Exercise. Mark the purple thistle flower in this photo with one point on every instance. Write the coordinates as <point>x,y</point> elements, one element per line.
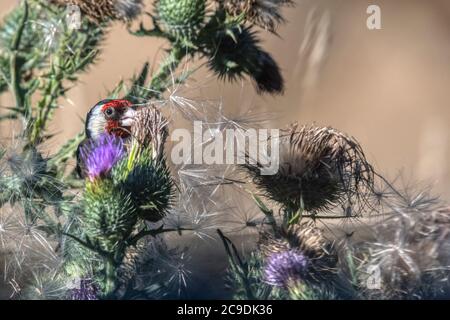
<point>100,156</point>
<point>87,290</point>
<point>282,267</point>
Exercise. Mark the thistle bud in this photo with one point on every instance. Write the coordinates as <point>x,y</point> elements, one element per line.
<point>237,53</point>
<point>181,18</point>
<point>150,186</point>
<point>109,215</point>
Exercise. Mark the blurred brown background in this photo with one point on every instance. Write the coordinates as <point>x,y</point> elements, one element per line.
<point>389,88</point>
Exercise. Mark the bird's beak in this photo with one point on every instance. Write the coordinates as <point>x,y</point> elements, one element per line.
<point>127,118</point>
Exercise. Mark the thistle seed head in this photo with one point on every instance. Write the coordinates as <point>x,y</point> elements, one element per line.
<point>150,130</point>
<point>411,253</point>
<point>320,169</point>
<point>263,13</point>
<point>102,10</point>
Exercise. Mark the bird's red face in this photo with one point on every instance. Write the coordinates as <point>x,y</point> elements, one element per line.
<point>110,116</point>
<point>116,113</point>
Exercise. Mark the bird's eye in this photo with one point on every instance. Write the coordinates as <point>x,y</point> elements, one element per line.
<point>109,112</point>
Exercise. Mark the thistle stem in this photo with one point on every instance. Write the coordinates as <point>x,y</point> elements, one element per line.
<point>143,233</point>
<point>47,104</point>
<point>110,278</point>
<point>311,216</point>
<point>237,263</point>
<point>87,244</point>
<point>14,65</point>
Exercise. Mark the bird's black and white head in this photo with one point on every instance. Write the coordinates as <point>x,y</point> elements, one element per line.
<point>113,117</point>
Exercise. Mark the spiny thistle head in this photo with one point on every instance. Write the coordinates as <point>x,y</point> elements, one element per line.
<point>149,184</point>
<point>144,174</point>
<point>181,18</point>
<point>263,13</point>
<point>237,53</point>
<point>320,168</point>
<point>109,214</point>
<point>283,267</point>
<point>307,240</point>
<point>102,10</point>
<point>100,156</point>
<point>150,130</point>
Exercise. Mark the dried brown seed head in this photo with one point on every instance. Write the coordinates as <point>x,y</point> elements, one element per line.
<point>150,129</point>
<point>263,13</point>
<point>320,169</point>
<point>102,10</point>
